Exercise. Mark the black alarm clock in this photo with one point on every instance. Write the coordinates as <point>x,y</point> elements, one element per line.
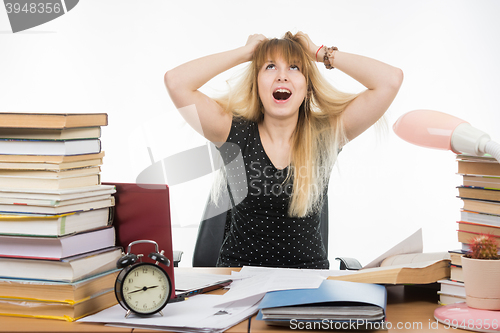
<point>143,288</point>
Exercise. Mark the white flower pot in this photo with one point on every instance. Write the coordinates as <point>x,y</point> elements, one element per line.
<point>482,283</point>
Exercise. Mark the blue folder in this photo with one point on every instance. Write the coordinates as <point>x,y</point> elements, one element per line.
<point>330,293</point>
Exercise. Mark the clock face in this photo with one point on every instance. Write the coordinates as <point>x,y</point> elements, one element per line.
<point>145,288</point>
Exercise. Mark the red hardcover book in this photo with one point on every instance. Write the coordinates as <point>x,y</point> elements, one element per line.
<point>142,212</point>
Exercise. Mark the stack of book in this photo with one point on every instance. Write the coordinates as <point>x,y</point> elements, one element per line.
<point>480,194</point>
<point>57,243</point>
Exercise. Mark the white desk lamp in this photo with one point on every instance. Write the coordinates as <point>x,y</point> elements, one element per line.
<point>434,129</point>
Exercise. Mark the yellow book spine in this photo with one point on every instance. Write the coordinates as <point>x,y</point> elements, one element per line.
<point>66,318</point>
<point>30,217</point>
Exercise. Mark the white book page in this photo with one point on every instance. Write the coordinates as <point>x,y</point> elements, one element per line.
<point>412,244</point>
<point>414,258</point>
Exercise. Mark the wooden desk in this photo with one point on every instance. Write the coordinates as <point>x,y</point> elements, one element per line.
<point>409,309</point>
<point>15,324</point>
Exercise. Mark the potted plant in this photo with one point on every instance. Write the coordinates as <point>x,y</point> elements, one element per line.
<point>481,270</point>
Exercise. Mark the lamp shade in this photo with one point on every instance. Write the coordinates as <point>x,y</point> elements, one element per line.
<point>427,128</point>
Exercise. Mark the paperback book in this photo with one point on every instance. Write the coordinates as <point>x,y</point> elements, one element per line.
<point>52,120</point>
<point>55,225</point>
<point>58,291</point>
<point>56,248</point>
<point>51,134</point>
<point>65,270</point>
<point>58,209</point>
<point>44,147</point>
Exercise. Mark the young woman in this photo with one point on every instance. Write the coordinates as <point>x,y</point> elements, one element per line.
<point>288,124</point>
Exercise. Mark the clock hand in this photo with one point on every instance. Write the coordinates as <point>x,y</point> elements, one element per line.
<point>135,291</point>
<point>142,289</point>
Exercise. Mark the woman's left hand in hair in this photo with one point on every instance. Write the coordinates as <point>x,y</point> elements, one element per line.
<point>307,44</point>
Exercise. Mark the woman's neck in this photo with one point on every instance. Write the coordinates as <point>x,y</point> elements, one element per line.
<point>278,131</point>
<point>275,136</point>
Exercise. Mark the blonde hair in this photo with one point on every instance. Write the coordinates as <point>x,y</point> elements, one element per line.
<point>319,133</point>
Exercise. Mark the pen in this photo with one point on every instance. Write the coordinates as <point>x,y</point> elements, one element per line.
<point>178,299</point>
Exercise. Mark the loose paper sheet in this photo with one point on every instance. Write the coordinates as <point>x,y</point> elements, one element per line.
<point>257,281</point>
<point>198,313</point>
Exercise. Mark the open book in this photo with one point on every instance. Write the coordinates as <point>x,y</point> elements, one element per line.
<point>403,264</point>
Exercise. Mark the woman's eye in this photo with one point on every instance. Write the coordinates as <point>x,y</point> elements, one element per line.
<point>295,68</point>
<point>270,66</point>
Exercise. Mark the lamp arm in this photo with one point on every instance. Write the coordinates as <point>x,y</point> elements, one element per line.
<point>493,148</point>
<point>469,140</point>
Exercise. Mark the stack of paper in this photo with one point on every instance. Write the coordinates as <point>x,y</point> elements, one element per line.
<point>200,313</point>
<point>217,313</point>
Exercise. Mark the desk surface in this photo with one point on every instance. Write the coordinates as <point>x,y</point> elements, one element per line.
<point>409,309</point>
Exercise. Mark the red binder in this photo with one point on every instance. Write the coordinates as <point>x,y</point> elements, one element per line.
<point>143,212</point>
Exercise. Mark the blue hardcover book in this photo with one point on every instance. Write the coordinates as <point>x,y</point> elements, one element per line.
<point>335,304</point>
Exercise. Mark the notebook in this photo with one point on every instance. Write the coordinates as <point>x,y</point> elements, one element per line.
<point>142,212</point>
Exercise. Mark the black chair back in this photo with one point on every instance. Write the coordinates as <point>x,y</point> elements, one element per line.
<point>212,229</point>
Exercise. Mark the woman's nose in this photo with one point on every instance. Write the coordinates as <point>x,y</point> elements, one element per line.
<point>282,76</point>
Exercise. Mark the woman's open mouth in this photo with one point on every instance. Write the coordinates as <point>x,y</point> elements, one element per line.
<point>281,95</point>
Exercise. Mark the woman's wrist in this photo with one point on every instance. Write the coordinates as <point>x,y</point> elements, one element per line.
<point>319,51</point>
<point>244,53</point>
<point>329,56</point>
<point>326,55</point>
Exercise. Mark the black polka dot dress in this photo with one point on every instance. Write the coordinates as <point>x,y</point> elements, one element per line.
<point>261,233</point>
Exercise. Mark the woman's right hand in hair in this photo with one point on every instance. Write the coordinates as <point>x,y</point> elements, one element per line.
<point>252,42</point>
<point>307,44</point>
<point>183,83</point>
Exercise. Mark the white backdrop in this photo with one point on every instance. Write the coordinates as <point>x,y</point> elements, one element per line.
<point>110,56</point>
